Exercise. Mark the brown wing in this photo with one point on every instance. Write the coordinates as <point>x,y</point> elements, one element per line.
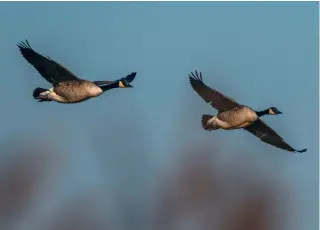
<point>52,71</point>
<point>266,134</point>
<point>212,96</point>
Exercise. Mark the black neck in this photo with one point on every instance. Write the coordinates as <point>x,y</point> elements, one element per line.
<point>106,87</point>
<point>263,112</point>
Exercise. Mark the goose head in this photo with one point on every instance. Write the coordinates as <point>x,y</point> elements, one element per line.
<point>123,83</point>
<point>274,111</point>
<point>269,111</point>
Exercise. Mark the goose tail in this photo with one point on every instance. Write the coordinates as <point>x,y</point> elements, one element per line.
<point>40,94</point>
<point>206,124</point>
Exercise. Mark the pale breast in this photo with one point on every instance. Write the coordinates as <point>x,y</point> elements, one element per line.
<point>93,90</point>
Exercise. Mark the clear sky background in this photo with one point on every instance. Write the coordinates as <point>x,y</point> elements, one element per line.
<point>261,54</point>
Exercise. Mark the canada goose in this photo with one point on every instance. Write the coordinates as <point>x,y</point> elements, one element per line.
<point>232,115</point>
<point>67,88</point>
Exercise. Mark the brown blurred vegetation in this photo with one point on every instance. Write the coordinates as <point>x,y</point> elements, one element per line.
<point>203,198</point>
<point>192,193</point>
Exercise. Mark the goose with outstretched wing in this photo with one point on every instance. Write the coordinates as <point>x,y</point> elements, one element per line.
<point>67,87</point>
<point>232,115</point>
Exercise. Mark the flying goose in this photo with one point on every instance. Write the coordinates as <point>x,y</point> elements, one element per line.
<point>67,87</point>
<point>232,115</point>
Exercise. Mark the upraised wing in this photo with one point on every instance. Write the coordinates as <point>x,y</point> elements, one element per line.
<point>266,134</point>
<point>52,71</point>
<point>209,95</point>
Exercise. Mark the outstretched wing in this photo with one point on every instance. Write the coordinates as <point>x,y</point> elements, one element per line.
<point>52,71</point>
<point>212,96</point>
<point>266,134</point>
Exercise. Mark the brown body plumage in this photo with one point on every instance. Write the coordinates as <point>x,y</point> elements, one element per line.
<point>75,91</point>
<point>236,118</point>
<point>67,87</point>
<point>232,115</point>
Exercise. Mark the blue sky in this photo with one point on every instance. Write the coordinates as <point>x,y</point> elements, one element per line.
<point>261,54</point>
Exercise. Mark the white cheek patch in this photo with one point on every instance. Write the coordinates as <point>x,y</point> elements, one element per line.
<point>121,84</point>
<point>271,112</point>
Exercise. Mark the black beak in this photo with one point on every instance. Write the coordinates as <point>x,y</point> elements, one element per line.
<point>129,86</point>
<point>279,112</point>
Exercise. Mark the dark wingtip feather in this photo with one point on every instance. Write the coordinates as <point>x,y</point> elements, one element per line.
<point>195,77</point>
<point>24,45</point>
<point>301,151</point>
